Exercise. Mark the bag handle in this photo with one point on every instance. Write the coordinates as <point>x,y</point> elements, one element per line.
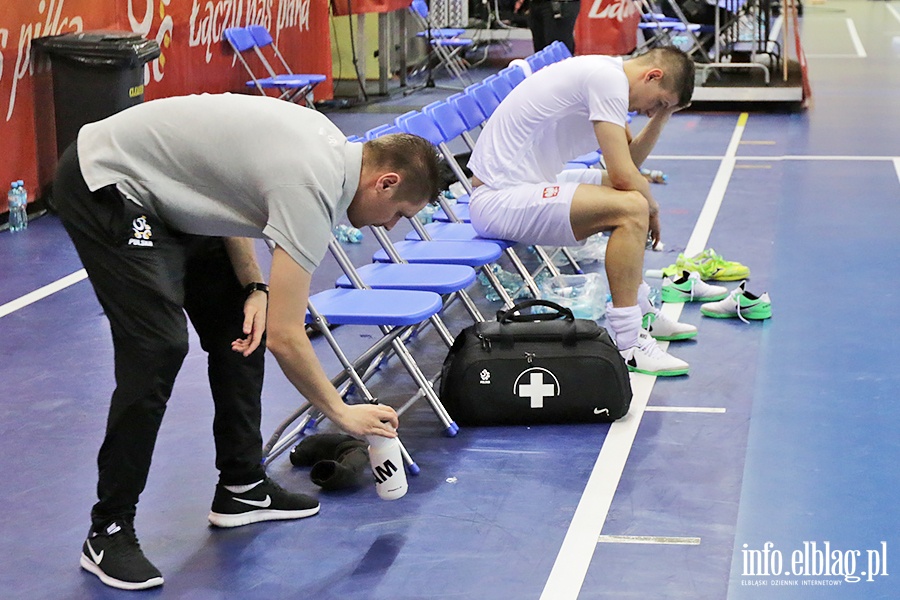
<point>509,316</point>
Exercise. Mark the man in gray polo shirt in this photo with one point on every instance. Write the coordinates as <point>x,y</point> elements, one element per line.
<point>160,201</point>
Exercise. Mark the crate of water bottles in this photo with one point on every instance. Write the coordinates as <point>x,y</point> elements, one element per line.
<point>17,198</point>
<point>585,295</point>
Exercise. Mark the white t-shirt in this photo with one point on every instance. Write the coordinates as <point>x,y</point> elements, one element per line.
<point>229,165</point>
<point>547,120</point>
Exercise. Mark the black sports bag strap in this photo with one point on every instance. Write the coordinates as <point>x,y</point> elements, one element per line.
<point>509,316</point>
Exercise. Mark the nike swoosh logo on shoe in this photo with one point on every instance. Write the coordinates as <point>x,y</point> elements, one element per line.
<point>260,503</point>
<point>94,556</point>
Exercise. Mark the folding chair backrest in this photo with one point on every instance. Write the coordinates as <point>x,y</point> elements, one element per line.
<point>422,125</point>
<point>239,39</point>
<point>419,8</point>
<point>562,49</point>
<point>548,55</point>
<point>485,97</point>
<point>381,130</point>
<point>447,119</point>
<point>514,75</point>
<point>263,38</point>
<point>404,117</point>
<point>500,84</point>
<point>468,110</point>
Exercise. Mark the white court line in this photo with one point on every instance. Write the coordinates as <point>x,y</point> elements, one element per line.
<point>504,451</point>
<point>685,409</point>
<point>835,55</point>
<point>897,167</point>
<point>854,36</point>
<point>780,157</point>
<point>648,539</point>
<point>894,12</point>
<point>571,565</point>
<point>51,288</point>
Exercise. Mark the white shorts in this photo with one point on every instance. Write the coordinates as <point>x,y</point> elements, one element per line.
<point>531,213</point>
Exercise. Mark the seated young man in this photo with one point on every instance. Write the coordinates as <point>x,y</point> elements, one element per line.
<point>565,110</point>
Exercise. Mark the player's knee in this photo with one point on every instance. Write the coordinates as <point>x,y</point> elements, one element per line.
<point>636,213</point>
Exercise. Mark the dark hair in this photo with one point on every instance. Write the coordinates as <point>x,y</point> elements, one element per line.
<point>678,68</point>
<point>414,158</point>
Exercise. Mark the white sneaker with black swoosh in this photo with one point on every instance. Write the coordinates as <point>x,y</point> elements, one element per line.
<point>266,501</point>
<point>113,554</point>
<point>648,358</point>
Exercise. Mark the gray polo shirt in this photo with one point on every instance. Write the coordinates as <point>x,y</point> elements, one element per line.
<point>229,165</point>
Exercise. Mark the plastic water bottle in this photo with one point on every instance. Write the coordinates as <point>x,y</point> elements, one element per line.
<point>655,176</point>
<point>18,205</point>
<point>387,467</point>
<point>346,234</point>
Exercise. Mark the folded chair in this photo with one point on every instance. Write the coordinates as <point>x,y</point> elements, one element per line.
<point>446,44</point>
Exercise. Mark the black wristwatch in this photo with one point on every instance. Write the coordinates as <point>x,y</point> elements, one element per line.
<point>256,287</point>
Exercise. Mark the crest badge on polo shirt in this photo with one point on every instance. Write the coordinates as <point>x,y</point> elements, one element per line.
<point>551,192</point>
<point>141,233</point>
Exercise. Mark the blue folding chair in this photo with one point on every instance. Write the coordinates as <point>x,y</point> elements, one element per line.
<point>500,85</point>
<point>263,39</point>
<point>469,112</point>
<point>514,74</point>
<point>289,86</point>
<point>394,312</point>
<point>536,61</point>
<point>448,280</point>
<point>446,43</point>
<point>484,97</point>
<point>561,50</point>
<point>381,130</point>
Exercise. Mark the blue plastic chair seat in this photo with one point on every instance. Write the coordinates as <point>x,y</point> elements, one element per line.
<point>279,81</point>
<point>460,210</point>
<point>473,254</point>
<point>440,279</point>
<point>589,159</point>
<point>442,32</point>
<point>457,232</point>
<point>452,42</point>
<point>375,307</point>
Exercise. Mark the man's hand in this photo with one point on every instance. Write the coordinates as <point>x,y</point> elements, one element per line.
<point>254,323</point>
<point>654,228</point>
<point>367,419</point>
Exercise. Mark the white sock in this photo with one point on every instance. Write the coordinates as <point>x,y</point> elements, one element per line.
<point>644,299</point>
<point>240,489</point>
<point>625,322</point>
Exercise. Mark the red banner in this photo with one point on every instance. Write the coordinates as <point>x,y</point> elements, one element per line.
<point>607,27</point>
<point>194,59</point>
<point>355,7</point>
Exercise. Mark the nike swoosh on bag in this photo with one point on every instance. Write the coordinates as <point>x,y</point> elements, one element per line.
<point>260,503</point>
<point>94,556</point>
<point>601,411</point>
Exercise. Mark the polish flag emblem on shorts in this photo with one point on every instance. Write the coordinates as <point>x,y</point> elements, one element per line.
<point>551,192</point>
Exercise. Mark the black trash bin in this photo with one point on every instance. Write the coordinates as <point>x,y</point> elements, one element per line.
<point>95,74</point>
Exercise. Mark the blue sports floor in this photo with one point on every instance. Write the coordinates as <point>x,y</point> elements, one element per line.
<point>770,472</point>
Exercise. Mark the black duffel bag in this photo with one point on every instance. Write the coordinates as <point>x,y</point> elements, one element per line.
<point>534,368</point>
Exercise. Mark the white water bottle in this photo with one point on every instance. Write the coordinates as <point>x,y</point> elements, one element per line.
<point>387,467</point>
